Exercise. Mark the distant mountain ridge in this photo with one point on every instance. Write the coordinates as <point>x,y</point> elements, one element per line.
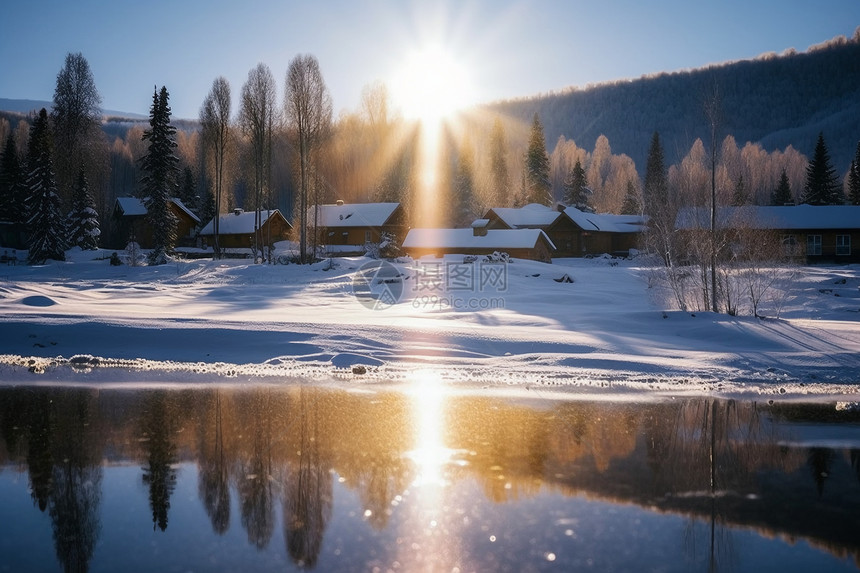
<point>775,100</point>
<point>27,105</point>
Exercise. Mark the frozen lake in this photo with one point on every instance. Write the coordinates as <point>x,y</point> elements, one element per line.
<point>422,477</point>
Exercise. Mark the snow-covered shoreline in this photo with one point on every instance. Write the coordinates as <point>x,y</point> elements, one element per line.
<point>202,321</point>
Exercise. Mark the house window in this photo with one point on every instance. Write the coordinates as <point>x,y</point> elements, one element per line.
<point>843,244</point>
<point>813,245</point>
<point>789,245</point>
<point>367,236</point>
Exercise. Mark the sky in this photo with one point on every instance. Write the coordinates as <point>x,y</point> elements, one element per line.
<point>501,48</point>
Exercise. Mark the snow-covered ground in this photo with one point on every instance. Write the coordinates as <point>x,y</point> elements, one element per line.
<point>606,331</point>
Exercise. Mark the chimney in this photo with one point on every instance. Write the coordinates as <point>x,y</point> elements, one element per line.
<point>340,202</point>
<point>479,227</point>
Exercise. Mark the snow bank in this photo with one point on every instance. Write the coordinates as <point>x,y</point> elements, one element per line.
<point>603,330</point>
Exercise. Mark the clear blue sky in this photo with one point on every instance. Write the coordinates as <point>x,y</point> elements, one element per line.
<point>510,48</point>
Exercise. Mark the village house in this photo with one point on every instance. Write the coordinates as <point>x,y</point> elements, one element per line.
<point>812,233</point>
<point>236,229</point>
<point>530,244</point>
<point>131,224</point>
<point>347,228</point>
<point>574,233</point>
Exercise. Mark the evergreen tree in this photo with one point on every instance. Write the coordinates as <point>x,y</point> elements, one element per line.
<point>207,207</point>
<point>632,204</point>
<point>45,221</point>
<point>656,190</point>
<point>464,188</point>
<point>575,191</point>
<point>83,224</point>
<point>160,167</point>
<point>538,185</point>
<point>188,190</point>
<point>854,179</point>
<point>13,186</point>
<point>822,183</point>
<point>740,197</point>
<point>499,166</point>
<point>782,195</point>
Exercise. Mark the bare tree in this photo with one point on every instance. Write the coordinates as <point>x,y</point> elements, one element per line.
<point>308,108</point>
<point>76,119</point>
<point>257,118</point>
<point>712,112</point>
<point>215,121</point>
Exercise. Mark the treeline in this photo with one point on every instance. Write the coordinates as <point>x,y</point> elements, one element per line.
<point>586,147</point>
<point>775,100</point>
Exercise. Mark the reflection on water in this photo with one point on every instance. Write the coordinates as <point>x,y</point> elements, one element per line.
<point>265,477</point>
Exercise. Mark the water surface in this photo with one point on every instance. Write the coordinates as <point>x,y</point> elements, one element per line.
<point>259,478</point>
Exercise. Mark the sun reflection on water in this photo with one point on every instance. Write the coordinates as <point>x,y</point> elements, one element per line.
<point>430,455</point>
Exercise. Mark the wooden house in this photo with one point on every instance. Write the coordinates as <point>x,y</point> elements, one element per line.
<point>574,233</point>
<point>236,229</point>
<point>131,224</point>
<point>530,244</point>
<point>346,228</point>
<point>813,233</point>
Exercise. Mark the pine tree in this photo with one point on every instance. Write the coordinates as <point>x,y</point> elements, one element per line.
<point>782,195</point>
<point>538,186</point>
<point>499,166</point>
<point>656,191</point>
<point>207,207</point>
<point>83,223</point>
<point>575,191</point>
<point>160,167</point>
<point>464,188</point>
<point>188,190</point>
<point>632,204</point>
<point>45,221</point>
<point>13,186</point>
<point>822,183</point>
<point>854,179</point>
<point>740,197</point>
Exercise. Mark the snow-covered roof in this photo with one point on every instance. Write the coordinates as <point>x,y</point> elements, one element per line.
<point>131,206</point>
<point>495,239</point>
<point>606,222</point>
<point>353,214</point>
<point>531,215</point>
<point>237,224</point>
<point>178,202</point>
<point>797,217</point>
<point>535,215</point>
<point>134,207</point>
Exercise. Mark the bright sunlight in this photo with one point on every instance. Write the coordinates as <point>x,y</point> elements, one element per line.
<point>432,85</point>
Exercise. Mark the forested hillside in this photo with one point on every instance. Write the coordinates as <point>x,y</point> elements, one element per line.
<point>777,100</point>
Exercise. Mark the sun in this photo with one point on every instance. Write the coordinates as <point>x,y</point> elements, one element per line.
<point>432,85</point>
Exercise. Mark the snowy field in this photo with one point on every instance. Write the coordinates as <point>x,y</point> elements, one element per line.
<point>608,331</point>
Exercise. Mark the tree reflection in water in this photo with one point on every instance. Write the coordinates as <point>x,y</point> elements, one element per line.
<point>214,476</point>
<point>158,427</point>
<point>255,479</point>
<point>308,492</point>
<point>722,465</point>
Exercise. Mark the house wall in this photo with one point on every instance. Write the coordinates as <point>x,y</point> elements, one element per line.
<point>540,252</point>
<point>139,229</point>
<point>358,236</point>
<point>828,245</point>
<point>275,229</point>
